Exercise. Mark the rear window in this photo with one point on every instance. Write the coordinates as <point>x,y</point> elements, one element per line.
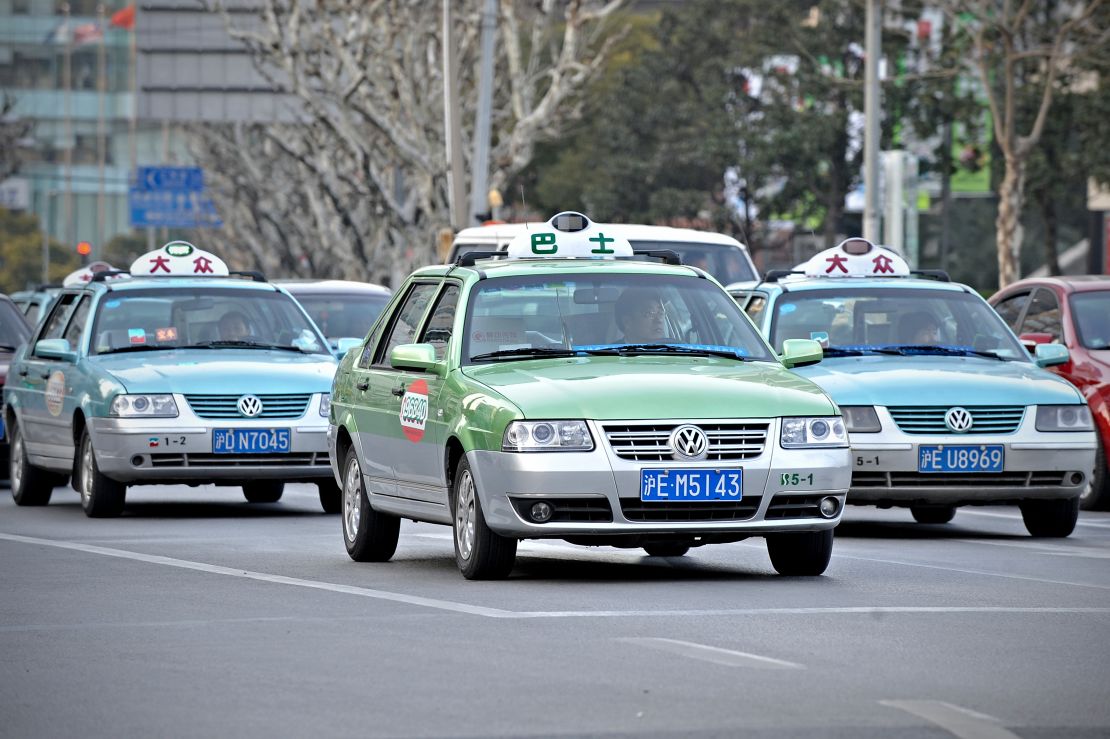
<point>727,263</point>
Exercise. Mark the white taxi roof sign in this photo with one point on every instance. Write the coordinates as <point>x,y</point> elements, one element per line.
<point>856,258</point>
<point>85,274</point>
<point>569,235</point>
<point>179,259</point>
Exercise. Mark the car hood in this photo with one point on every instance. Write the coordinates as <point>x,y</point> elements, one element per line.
<point>221,371</point>
<point>647,387</point>
<point>919,380</point>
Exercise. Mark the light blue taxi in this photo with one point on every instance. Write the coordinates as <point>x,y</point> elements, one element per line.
<point>177,371</point>
<point>943,404</point>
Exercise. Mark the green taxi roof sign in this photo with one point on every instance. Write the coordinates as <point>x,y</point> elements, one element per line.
<point>179,259</point>
<point>569,235</point>
<point>856,258</point>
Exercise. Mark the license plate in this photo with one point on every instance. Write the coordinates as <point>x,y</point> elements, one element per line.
<point>960,458</point>
<point>691,485</point>
<point>250,441</point>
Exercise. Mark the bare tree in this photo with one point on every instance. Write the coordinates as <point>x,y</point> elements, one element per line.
<point>12,132</point>
<point>356,186</point>
<point>1024,47</point>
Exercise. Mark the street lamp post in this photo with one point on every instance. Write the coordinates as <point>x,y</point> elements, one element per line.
<point>46,234</point>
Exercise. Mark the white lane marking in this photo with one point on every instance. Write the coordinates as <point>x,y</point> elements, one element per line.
<point>957,720</point>
<point>815,611</point>
<point>415,600</point>
<point>963,510</point>
<point>1053,549</point>
<point>716,655</point>
<point>973,572</point>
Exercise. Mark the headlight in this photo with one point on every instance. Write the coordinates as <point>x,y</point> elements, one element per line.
<point>143,406</point>
<point>813,432</point>
<point>325,404</point>
<point>547,436</point>
<point>861,419</point>
<point>1064,418</point>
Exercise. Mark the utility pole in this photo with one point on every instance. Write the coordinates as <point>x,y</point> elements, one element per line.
<point>871,110</point>
<point>67,135</point>
<point>456,189</point>
<point>479,195</point>
<point>46,234</point>
<point>101,133</point>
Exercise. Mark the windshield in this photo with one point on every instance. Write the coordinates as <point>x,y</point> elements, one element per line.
<point>1092,318</point>
<point>202,317</point>
<point>513,317</point>
<point>13,328</point>
<point>343,315</point>
<point>726,262</point>
<point>862,320</point>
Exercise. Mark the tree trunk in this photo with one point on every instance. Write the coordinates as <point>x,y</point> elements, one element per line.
<point>1008,223</point>
<point>1051,232</point>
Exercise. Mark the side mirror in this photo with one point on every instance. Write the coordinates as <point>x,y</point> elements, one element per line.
<point>1050,355</point>
<point>1031,340</point>
<point>344,345</point>
<point>55,349</point>
<point>801,352</point>
<point>413,357</point>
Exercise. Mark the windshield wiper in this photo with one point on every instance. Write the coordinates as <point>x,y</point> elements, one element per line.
<point>840,351</point>
<point>236,344</point>
<point>524,351</point>
<point>677,349</point>
<point>951,351</point>
<point>7,348</point>
<point>139,348</point>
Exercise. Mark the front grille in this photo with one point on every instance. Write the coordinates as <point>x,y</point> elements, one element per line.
<point>739,510</point>
<point>941,479</point>
<point>986,419</point>
<point>650,442</point>
<point>568,510</point>
<point>227,406</point>
<point>295,459</point>
<point>794,506</point>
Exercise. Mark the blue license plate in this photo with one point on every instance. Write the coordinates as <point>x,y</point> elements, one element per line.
<point>691,485</point>
<point>1,428</point>
<point>960,458</point>
<point>250,441</point>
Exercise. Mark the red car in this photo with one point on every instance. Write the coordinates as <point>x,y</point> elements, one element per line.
<point>1074,311</point>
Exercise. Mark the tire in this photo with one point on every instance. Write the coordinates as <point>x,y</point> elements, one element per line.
<point>666,549</point>
<point>1097,495</point>
<point>480,553</point>
<point>804,553</point>
<point>933,514</point>
<point>263,491</point>
<point>1050,518</point>
<point>31,486</point>
<point>331,496</point>
<point>101,497</point>
<point>369,535</point>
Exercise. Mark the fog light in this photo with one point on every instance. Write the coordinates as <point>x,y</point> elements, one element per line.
<point>1076,478</point>
<point>541,512</point>
<point>137,461</point>
<point>829,507</point>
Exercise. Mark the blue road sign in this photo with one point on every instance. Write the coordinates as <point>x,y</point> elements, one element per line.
<point>171,197</point>
<point>176,179</point>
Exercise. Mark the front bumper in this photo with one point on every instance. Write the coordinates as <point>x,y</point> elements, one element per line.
<point>1037,466</point>
<point>180,450</point>
<point>597,493</point>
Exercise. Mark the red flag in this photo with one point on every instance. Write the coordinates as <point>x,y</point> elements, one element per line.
<point>124,18</point>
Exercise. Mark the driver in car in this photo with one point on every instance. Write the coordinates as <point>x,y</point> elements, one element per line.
<point>641,317</point>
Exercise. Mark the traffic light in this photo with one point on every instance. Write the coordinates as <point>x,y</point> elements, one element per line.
<point>84,248</point>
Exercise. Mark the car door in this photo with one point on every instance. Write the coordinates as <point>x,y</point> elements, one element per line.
<point>379,391</point>
<point>43,384</point>
<point>418,463</point>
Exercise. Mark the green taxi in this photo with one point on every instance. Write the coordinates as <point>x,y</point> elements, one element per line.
<point>575,390</point>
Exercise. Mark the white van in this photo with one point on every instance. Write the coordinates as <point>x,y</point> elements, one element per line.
<point>725,258</point>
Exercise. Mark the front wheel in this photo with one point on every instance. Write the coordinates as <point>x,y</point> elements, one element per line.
<point>480,553</point>
<point>1097,495</point>
<point>933,514</point>
<point>1050,518</point>
<point>31,486</point>
<point>263,491</point>
<point>101,497</point>
<point>805,553</point>
<point>370,536</point>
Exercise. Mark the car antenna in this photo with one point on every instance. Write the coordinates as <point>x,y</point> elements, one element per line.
<point>523,206</point>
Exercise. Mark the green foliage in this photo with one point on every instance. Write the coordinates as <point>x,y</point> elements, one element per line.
<point>21,253</point>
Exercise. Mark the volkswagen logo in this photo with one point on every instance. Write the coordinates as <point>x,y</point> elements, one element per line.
<point>249,406</point>
<point>689,442</point>
<point>958,419</point>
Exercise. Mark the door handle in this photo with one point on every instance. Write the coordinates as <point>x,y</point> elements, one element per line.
<point>399,391</point>
<point>22,371</point>
<point>362,384</point>
<point>45,375</point>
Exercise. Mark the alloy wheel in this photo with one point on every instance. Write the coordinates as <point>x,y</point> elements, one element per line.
<point>464,515</point>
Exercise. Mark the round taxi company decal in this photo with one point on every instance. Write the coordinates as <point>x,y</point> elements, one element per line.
<point>55,393</point>
<point>414,410</point>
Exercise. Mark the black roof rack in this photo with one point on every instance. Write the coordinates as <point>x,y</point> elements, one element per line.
<point>105,274</point>
<point>664,255</point>
<point>774,275</point>
<point>469,258</point>
<point>254,274</point>
<point>936,274</point>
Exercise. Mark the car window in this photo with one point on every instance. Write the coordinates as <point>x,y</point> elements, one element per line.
<point>442,321</point>
<point>868,318</point>
<point>343,315</point>
<point>1043,316</point>
<point>212,318</point>
<point>406,319</point>
<point>13,328</point>
<point>594,312</point>
<point>726,262</point>
<point>754,307</point>
<point>1010,309</point>
<point>1092,318</point>
<point>77,322</point>
<point>56,322</point>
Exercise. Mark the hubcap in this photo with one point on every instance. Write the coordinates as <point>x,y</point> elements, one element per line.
<point>15,467</point>
<point>352,498</point>
<point>464,515</point>
<point>86,474</point>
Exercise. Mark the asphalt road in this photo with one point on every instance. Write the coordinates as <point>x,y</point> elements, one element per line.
<point>196,614</point>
